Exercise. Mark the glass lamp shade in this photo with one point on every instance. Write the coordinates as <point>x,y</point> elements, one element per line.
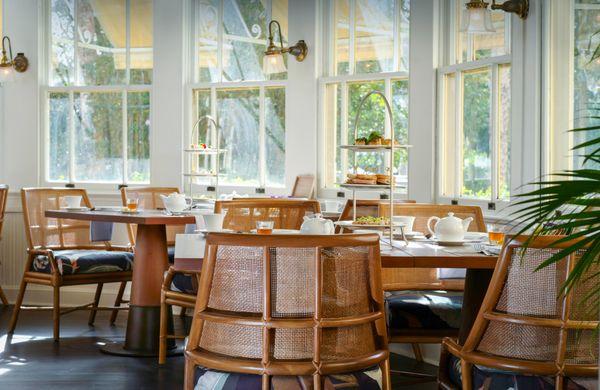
<point>7,73</point>
<point>477,21</point>
<point>273,63</point>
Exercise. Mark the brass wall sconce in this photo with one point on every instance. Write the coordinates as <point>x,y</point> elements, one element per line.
<point>273,60</point>
<point>8,65</point>
<point>477,16</point>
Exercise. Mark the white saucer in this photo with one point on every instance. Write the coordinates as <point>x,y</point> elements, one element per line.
<point>75,208</point>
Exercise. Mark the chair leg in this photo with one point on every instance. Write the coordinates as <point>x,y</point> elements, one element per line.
<point>467,376</point>
<point>188,379</point>
<point>417,351</point>
<point>17,308</point>
<point>118,301</point>
<point>56,313</point>
<point>93,312</point>
<point>386,380</point>
<point>3,297</point>
<point>162,340</point>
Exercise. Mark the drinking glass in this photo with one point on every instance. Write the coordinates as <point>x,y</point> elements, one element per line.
<point>495,234</point>
<point>132,203</point>
<point>264,227</point>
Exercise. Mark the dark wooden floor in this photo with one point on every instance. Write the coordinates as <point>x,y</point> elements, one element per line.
<point>30,359</point>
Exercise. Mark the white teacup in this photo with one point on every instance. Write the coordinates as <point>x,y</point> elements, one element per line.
<point>331,206</point>
<point>213,222</point>
<point>72,201</point>
<point>405,220</point>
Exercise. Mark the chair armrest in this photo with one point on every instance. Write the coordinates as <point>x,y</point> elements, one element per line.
<point>120,248</point>
<point>48,252</point>
<point>452,346</point>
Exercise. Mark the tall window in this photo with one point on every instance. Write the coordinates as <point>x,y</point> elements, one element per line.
<point>229,41</point>
<point>367,49</point>
<point>573,80</point>
<point>475,111</point>
<point>98,91</point>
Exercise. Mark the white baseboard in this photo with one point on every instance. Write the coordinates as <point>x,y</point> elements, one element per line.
<point>38,295</point>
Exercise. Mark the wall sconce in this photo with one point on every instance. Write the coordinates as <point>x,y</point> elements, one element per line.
<point>477,17</point>
<point>273,60</point>
<point>8,65</point>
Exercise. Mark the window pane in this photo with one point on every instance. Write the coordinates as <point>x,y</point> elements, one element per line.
<point>62,28</point>
<point>476,167</point>
<point>207,16</point>
<point>98,137</point>
<point>586,76</point>
<point>335,169</point>
<point>374,36</point>
<point>141,61</point>
<point>504,132</point>
<point>237,111</point>
<point>101,42</point>
<point>58,146</point>
<point>341,19</point>
<point>275,136</point>
<point>447,159</point>
<point>400,109</point>
<point>199,163</point>
<point>138,137</point>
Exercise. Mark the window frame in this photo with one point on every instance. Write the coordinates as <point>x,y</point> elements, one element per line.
<point>71,90</point>
<point>222,84</point>
<point>449,53</point>
<point>329,76</point>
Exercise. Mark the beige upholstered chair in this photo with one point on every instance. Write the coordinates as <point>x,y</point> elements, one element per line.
<point>279,306</point>
<point>3,198</point>
<point>60,253</point>
<point>527,334</point>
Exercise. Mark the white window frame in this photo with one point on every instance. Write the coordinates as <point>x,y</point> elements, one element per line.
<point>331,190</point>
<point>449,50</point>
<point>47,89</point>
<point>214,87</point>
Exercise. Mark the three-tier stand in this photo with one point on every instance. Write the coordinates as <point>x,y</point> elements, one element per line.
<point>391,149</point>
<point>203,159</point>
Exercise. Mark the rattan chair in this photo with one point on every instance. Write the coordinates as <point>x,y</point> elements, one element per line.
<point>3,198</point>
<point>241,215</point>
<point>61,253</point>
<point>527,333</point>
<point>416,297</point>
<point>304,187</point>
<point>279,308</point>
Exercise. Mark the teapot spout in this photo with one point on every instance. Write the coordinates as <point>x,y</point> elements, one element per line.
<point>466,222</point>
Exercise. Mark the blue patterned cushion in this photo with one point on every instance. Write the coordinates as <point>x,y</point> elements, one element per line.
<point>85,262</point>
<point>183,283</point>
<point>488,378</point>
<point>423,309</point>
<point>215,380</point>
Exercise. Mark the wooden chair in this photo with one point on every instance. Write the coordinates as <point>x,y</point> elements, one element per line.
<point>61,253</point>
<point>411,295</point>
<point>287,308</point>
<point>3,198</point>
<point>241,215</point>
<point>524,336</point>
<point>364,207</point>
<point>304,187</point>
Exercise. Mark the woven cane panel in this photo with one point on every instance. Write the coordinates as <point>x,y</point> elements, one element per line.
<point>520,341</point>
<point>347,342</point>
<point>585,295</point>
<point>346,290</point>
<point>582,346</point>
<point>293,344</point>
<point>292,282</point>
<point>530,292</point>
<point>237,280</point>
<point>232,340</point>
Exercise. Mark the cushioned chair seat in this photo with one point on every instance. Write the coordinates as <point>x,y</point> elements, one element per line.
<point>488,378</point>
<point>72,262</point>
<point>216,380</point>
<point>183,283</point>
<point>423,309</point>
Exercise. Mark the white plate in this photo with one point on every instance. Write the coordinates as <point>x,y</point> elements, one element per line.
<point>205,232</point>
<point>75,208</point>
<point>453,243</point>
<point>280,231</point>
<point>352,225</point>
<point>410,235</point>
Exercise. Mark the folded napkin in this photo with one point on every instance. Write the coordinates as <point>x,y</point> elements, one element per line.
<point>101,231</point>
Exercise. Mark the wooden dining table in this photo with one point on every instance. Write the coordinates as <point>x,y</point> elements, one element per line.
<point>151,261</point>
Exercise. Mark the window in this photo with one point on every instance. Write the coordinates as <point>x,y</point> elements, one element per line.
<point>573,79</point>
<point>475,111</point>
<point>98,93</point>
<point>229,41</point>
<point>367,49</point>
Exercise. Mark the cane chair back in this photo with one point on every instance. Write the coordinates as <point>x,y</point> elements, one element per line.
<point>149,199</point>
<point>3,199</point>
<point>523,327</point>
<point>242,214</point>
<point>289,305</point>
<point>304,187</point>
<point>54,232</point>
<point>364,208</point>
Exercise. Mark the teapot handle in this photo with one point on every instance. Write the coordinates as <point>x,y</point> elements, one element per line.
<point>189,202</point>
<point>330,227</point>
<point>429,224</point>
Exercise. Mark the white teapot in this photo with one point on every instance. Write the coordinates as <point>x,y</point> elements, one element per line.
<point>449,228</point>
<point>315,224</point>
<point>176,202</point>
